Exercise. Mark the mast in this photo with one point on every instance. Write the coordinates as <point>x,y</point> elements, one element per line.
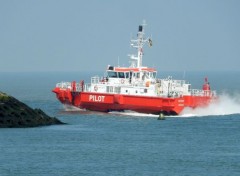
<point>136,60</point>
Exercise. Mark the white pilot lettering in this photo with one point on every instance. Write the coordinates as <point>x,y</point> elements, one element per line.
<point>96,98</point>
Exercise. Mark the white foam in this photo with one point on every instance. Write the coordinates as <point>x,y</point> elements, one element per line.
<point>71,108</point>
<point>225,105</point>
<point>132,113</point>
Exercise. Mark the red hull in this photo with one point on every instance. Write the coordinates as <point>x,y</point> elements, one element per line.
<point>106,102</point>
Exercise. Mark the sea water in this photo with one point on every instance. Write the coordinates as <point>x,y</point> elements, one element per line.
<point>197,142</point>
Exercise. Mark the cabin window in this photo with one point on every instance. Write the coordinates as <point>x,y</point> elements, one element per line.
<point>154,74</point>
<point>110,89</point>
<point>117,89</point>
<point>150,74</point>
<point>143,75</point>
<point>121,75</point>
<point>112,74</point>
<point>146,75</point>
<point>138,75</point>
<point>127,74</point>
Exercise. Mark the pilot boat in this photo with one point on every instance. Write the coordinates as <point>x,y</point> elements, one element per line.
<point>134,88</point>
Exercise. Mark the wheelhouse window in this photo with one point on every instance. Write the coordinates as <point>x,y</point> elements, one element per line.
<point>121,75</point>
<point>138,75</point>
<point>112,74</point>
<point>154,74</point>
<point>148,75</point>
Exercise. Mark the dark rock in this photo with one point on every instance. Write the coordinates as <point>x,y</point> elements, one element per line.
<point>15,114</point>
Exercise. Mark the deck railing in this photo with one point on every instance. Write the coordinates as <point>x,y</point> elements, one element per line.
<point>199,92</point>
<point>64,85</point>
<point>68,85</point>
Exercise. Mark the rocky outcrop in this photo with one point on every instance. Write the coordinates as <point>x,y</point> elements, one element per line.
<point>15,114</point>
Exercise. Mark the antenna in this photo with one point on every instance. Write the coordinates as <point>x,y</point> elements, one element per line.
<point>136,59</point>
<point>144,23</point>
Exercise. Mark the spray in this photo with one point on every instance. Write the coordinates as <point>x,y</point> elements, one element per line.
<point>225,105</point>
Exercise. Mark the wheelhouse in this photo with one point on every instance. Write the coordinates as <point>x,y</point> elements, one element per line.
<point>138,73</point>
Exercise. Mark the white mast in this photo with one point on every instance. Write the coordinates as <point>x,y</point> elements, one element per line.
<point>136,60</point>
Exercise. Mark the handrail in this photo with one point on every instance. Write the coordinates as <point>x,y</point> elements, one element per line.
<point>199,92</point>
<point>68,85</point>
<point>64,85</point>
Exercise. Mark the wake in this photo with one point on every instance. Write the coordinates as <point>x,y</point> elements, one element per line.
<point>225,105</point>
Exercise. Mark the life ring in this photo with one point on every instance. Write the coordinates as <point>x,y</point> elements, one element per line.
<point>95,88</point>
<point>122,81</point>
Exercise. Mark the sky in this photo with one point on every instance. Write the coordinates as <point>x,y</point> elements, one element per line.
<point>88,35</point>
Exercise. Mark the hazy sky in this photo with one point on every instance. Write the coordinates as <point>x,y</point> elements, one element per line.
<point>81,35</point>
